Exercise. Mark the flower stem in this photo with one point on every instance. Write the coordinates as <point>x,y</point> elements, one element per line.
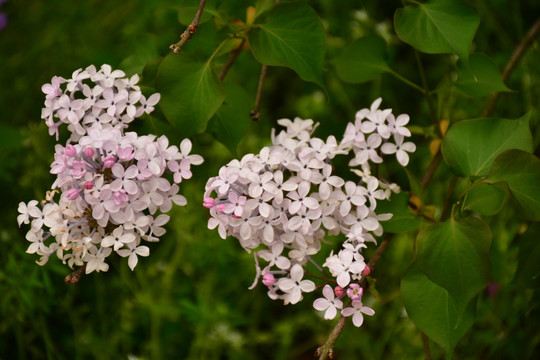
<point>407,81</point>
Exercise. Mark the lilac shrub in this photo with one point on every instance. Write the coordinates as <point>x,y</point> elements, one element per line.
<point>283,202</point>
<point>112,189</point>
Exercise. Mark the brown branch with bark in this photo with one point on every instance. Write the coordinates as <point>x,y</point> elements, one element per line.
<point>191,29</point>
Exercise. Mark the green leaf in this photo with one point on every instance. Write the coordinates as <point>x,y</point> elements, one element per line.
<point>520,170</point>
<point>455,255</point>
<point>230,122</point>
<point>480,77</point>
<point>403,219</point>
<point>190,93</point>
<point>438,26</point>
<point>292,35</point>
<point>145,49</point>
<point>261,6</point>
<point>434,311</point>
<point>486,199</point>
<point>150,70</point>
<point>528,270</point>
<point>363,60</point>
<point>470,146</point>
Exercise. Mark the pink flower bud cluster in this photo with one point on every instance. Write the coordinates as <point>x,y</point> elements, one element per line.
<point>112,187</point>
<point>282,203</point>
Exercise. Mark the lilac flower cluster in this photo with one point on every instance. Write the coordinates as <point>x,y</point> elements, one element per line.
<point>284,201</point>
<point>111,189</point>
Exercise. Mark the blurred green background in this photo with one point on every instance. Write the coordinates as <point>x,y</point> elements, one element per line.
<point>189,299</point>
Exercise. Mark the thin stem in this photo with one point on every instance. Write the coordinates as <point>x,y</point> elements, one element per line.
<point>448,197</point>
<point>188,33</point>
<point>233,55</point>
<point>307,273</point>
<point>326,350</point>
<point>310,259</point>
<point>426,90</point>
<point>431,169</point>
<point>407,81</point>
<point>255,115</point>
<point>516,56</point>
<point>427,353</point>
<point>75,276</point>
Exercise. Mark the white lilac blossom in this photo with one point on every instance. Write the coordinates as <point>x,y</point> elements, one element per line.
<point>112,187</point>
<point>282,202</point>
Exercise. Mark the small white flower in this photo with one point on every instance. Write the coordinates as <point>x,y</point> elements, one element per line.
<point>294,286</point>
<point>329,304</point>
<point>356,310</point>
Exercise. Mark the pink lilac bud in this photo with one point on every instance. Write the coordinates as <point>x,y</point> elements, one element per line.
<point>109,161</point>
<point>339,291</point>
<point>120,196</point>
<point>366,271</point>
<point>89,152</point>
<point>268,279</point>
<point>354,291</point>
<point>88,185</point>
<point>70,150</point>
<point>220,207</point>
<point>72,194</point>
<point>209,203</point>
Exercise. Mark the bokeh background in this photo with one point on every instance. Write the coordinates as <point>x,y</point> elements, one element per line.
<point>189,299</point>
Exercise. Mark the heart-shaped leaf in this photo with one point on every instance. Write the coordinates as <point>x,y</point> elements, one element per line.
<point>520,170</point>
<point>480,77</point>
<point>438,26</point>
<point>471,145</point>
<point>190,92</point>
<point>434,311</point>
<point>230,122</point>
<point>363,60</point>
<point>486,199</point>
<point>455,255</point>
<point>292,35</point>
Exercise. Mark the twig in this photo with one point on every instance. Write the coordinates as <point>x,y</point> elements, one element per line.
<point>516,56</point>
<point>431,169</point>
<point>233,55</point>
<point>255,115</point>
<point>426,89</point>
<point>326,350</point>
<point>188,33</point>
<point>75,276</point>
<point>427,353</point>
<point>448,197</point>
